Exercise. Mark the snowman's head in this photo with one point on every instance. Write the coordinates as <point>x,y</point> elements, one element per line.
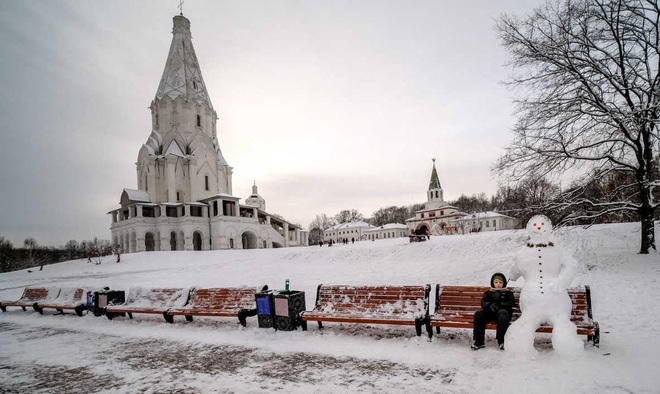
<point>539,228</point>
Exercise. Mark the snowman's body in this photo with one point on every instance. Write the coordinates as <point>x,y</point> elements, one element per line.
<point>548,271</point>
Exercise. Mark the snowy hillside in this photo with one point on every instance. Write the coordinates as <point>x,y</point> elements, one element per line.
<point>217,355</point>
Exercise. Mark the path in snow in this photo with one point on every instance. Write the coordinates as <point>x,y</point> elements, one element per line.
<point>121,364</point>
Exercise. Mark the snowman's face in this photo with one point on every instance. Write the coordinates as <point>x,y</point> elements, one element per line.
<point>539,226</point>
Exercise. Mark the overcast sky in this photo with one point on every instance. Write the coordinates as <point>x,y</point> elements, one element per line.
<point>328,105</point>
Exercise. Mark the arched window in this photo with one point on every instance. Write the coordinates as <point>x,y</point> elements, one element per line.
<point>199,121</point>
<point>172,240</point>
<point>149,242</point>
<point>197,241</point>
<point>206,182</point>
<point>231,243</point>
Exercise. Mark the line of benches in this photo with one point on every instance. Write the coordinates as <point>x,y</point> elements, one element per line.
<point>222,302</point>
<point>392,305</point>
<point>40,298</point>
<point>188,302</point>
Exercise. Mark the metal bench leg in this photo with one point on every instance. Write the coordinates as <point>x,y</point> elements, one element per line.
<point>24,309</point>
<point>79,310</point>
<point>320,324</point>
<point>169,318</point>
<point>4,309</point>
<point>418,327</point>
<point>37,309</point>
<point>429,329</point>
<point>596,337</point>
<point>130,315</point>
<point>189,318</point>
<point>243,314</point>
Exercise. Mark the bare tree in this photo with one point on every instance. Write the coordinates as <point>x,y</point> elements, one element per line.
<point>32,250</point>
<point>588,77</point>
<point>392,214</point>
<point>71,248</point>
<point>7,256</point>
<point>318,226</point>
<point>529,197</point>
<point>475,203</point>
<point>348,216</point>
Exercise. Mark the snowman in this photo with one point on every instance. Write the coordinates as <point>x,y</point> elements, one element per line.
<point>548,271</point>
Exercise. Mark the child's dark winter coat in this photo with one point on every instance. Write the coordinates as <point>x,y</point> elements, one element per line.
<point>497,305</point>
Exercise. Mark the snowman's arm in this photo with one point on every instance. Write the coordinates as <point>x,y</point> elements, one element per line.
<point>514,270</point>
<point>568,271</point>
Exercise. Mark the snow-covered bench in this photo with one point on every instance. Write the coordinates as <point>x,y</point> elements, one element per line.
<point>68,298</point>
<point>455,307</point>
<point>221,302</point>
<point>397,305</point>
<point>417,238</point>
<point>30,297</point>
<point>149,301</point>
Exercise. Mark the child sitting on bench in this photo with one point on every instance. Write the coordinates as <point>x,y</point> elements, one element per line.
<point>497,304</point>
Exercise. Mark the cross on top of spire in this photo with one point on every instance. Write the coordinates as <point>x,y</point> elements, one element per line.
<point>180,7</point>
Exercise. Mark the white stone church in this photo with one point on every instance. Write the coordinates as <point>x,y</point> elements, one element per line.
<point>183,199</point>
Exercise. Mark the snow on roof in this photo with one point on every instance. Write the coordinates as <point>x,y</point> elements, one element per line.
<point>484,215</point>
<point>220,195</point>
<point>137,195</point>
<point>350,225</point>
<point>388,226</point>
<point>437,209</point>
<point>175,149</point>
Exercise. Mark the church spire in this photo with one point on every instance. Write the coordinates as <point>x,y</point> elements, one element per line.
<point>182,75</point>
<point>434,194</point>
<point>435,181</point>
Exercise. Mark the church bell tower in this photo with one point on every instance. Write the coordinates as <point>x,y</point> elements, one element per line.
<point>181,160</point>
<point>434,194</point>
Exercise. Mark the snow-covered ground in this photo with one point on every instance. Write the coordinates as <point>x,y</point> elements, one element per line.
<point>54,353</point>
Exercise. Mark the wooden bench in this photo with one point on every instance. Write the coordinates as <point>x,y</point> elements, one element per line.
<point>68,298</point>
<point>149,301</point>
<point>455,307</point>
<point>221,302</point>
<point>30,297</point>
<point>397,305</point>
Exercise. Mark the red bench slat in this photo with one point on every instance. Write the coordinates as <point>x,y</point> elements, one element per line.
<point>69,298</point>
<point>220,302</point>
<point>396,305</point>
<point>31,295</point>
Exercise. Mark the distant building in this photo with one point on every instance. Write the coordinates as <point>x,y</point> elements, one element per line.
<point>348,230</point>
<point>436,215</point>
<point>439,218</point>
<point>183,199</point>
<point>389,230</point>
<point>484,221</point>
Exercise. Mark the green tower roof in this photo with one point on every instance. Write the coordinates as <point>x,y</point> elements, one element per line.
<point>435,181</point>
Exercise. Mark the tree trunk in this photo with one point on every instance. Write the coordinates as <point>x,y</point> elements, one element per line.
<point>648,235</point>
<point>646,212</point>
